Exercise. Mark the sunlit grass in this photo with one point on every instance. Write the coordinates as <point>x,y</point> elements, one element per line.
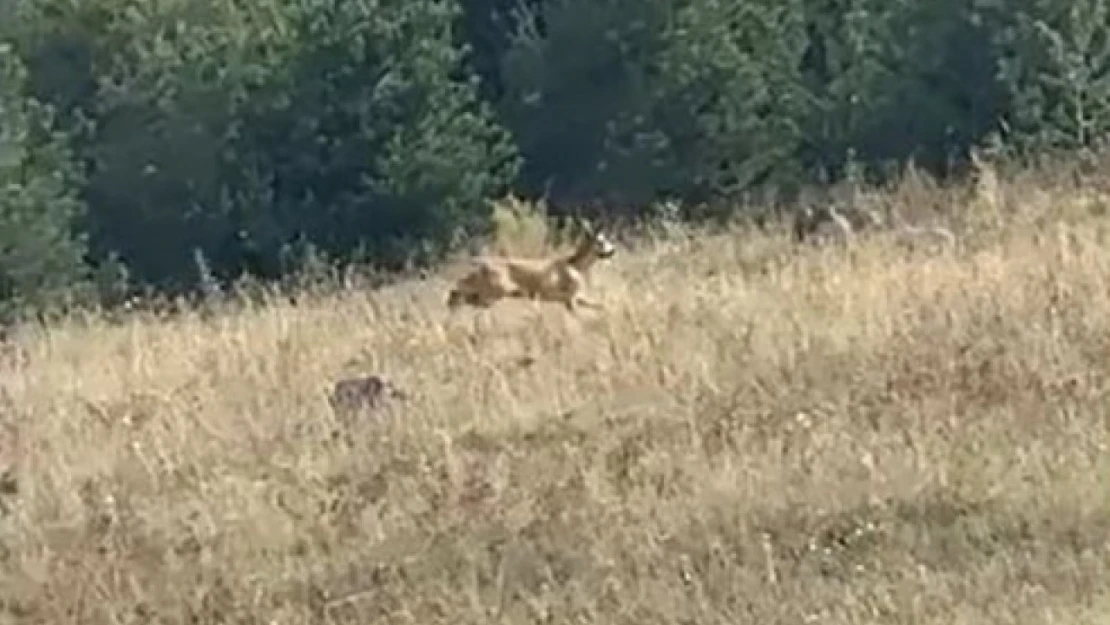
<point>749,432</point>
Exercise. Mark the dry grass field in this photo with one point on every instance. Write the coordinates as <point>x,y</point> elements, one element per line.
<point>750,432</point>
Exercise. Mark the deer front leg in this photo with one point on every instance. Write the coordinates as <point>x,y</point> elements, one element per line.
<point>584,301</point>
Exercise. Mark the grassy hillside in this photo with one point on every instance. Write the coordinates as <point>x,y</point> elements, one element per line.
<point>751,432</point>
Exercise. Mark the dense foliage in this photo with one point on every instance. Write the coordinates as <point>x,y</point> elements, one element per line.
<point>139,137</point>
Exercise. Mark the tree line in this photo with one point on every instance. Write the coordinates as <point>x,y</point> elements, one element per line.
<point>149,143</point>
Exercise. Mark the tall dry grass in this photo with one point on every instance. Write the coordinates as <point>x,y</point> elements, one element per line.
<point>749,433</point>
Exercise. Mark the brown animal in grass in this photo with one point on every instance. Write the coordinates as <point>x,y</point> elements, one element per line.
<point>350,395</point>
<point>559,279</point>
<point>927,237</point>
<point>829,223</point>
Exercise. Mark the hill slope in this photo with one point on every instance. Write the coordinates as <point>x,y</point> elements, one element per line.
<point>748,433</point>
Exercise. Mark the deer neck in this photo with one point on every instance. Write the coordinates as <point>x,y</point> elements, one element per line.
<point>582,258</point>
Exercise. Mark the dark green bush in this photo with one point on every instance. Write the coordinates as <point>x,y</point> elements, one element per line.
<point>40,250</point>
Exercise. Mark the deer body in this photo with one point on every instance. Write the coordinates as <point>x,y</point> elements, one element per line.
<point>561,279</point>
<point>828,223</point>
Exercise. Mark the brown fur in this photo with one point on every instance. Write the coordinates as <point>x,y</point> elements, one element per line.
<point>829,223</point>
<point>350,395</point>
<point>560,279</point>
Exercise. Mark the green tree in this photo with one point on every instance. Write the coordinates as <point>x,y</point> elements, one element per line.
<point>148,89</point>
<point>637,100</point>
<point>1054,60</point>
<point>573,71</point>
<point>848,74</point>
<point>729,95</point>
<point>894,80</point>
<point>369,137</point>
<point>486,29</point>
<point>235,129</point>
<point>40,253</point>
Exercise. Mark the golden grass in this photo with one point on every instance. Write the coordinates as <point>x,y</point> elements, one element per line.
<point>749,433</point>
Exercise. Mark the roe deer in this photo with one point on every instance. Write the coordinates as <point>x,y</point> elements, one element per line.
<point>559,279</point>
